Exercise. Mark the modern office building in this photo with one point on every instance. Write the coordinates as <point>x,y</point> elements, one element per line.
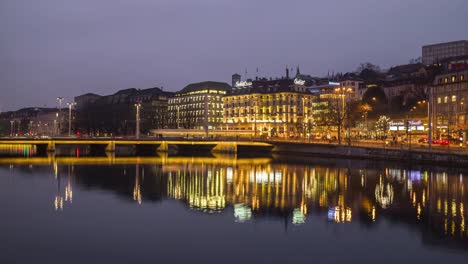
<point>432,54</point>
<point>198,106</point>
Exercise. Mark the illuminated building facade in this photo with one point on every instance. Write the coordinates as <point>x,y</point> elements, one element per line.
<point>330,106</point>
<point>450,99</point>
<point>270,108</point>
<point>198,106</point>
<point>357,86</point>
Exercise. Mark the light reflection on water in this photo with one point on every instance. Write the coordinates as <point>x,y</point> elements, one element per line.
<point>432,201</point>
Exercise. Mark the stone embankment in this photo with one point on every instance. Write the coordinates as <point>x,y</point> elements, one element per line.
<point>436,156</point>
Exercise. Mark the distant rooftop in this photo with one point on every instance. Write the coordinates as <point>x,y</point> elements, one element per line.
<point>206,85</point>
<point>445,43</point>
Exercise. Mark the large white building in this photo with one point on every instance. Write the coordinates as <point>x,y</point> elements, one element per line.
<point>198,106</point>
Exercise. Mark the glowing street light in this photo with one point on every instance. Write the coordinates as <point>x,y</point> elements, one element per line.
<point>60,99</point>
<point>12,122</point>
<point>70,105</point>
<point>137,128</point>
<point>343,93</point>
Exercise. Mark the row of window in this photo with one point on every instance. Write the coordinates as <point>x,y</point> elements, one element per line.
<point>252,120</point>
<point>199,98</point>
<point>268,97</point>
<point>445,99</point>
<point>452,79</point>
<point>194,106</point>
<point>264,105</point>
<point>197,120</point>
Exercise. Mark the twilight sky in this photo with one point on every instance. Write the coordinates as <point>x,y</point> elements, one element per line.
<point>51,48</point>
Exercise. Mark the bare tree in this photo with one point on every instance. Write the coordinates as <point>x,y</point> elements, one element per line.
<point>369,66</point>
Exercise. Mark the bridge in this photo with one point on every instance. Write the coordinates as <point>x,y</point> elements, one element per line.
<point>111,159</point>
<point>109,145</point>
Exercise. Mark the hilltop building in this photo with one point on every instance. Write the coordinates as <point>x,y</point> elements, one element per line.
<point>432,54</point>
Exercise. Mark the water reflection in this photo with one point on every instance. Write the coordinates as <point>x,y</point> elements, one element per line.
<point>432,201</point>
<point>63,195</point>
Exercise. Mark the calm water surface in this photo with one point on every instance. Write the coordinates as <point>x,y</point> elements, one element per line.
<point>230,210</point>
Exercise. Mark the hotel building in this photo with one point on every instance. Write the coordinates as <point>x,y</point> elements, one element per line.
<point>269,108</point>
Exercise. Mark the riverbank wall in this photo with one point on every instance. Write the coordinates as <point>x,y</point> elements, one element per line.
<point>358,152</point>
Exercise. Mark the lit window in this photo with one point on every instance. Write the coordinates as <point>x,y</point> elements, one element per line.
<point>445,99</point>
<point>445,80</point>
<point>453,78</point>
<point>454,98</point>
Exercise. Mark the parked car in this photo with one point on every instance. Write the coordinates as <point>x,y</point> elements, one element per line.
<point>444,142</point>
<point>423,140</point>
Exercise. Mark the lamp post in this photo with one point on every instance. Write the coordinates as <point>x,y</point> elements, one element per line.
<point>429,117</point>
<point>12,122</point>
<point>305,116</point>
<point>343,92</point>
<point>429,121</point>
<point>70,105</point>
<point>178,117</point>
<point>137,128</point>
<point>60,98</point>
<point>30,127</point>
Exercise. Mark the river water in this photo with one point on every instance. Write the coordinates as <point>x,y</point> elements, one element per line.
<point>225,209</point>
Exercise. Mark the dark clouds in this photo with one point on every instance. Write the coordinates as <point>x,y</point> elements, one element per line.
<point>53,48</point>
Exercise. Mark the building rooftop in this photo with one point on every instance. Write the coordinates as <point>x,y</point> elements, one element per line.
<point>266,86</point>
<point>206,85</point>
<point>445,43</point>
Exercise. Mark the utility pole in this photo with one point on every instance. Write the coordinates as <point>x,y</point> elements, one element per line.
<point>137,128</point>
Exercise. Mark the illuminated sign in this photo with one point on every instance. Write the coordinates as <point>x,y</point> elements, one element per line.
<point>415,123</point>
<point>243,84</point>
<point>299,81</point>
<point>334,83</point>
<point>410,122</point>
<point>314,90</point>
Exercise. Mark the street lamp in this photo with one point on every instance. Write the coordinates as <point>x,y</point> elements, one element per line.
<point>429,121</point>
<point>137,128</point>
<point>30,127</point>
<point>60,98</point>
<point>343,92</point>
<point>178,117</point>
<point>70,105</point>
<point>12,122</point>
